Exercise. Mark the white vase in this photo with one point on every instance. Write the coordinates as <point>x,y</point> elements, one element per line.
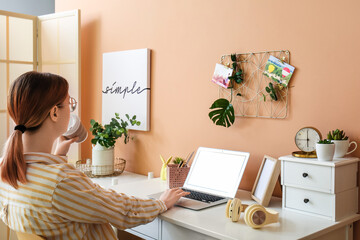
<point>342,147</point>
<point>325,152</point>
<point>102,160</point>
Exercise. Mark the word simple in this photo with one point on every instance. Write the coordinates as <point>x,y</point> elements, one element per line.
<point>124,90</point>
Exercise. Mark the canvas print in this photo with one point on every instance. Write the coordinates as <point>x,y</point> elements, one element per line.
<point>221,75</point>
<point>278,71</point>
<point>126,86</point>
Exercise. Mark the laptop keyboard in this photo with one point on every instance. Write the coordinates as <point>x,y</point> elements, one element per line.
<point>203,197</point>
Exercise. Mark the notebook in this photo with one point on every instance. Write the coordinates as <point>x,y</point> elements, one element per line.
<point>215,175</point>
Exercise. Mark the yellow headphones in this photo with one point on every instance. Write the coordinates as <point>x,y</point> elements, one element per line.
<point>256,216</point>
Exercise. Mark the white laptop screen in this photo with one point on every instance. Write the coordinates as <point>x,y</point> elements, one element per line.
<point>217,171</point>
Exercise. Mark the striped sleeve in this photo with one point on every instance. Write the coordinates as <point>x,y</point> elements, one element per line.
<point>78,199</point>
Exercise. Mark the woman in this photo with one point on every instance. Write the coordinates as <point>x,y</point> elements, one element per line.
<point>41,193</point>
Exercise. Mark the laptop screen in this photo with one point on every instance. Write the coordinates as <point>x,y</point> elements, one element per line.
<point>217,171</point>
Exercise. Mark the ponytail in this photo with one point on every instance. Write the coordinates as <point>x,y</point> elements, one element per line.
<point>31,97</point>
<point>13,165</point>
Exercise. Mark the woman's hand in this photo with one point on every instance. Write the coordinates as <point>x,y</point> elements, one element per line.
<point>63,145</point>
<point>171,196</point>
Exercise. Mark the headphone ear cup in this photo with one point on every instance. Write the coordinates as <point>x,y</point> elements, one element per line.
<point>227,208</point>
<point>234,210</point>
<point>255,216</point>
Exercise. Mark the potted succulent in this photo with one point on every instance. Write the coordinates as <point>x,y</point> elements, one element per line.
<point>341,141</point>
<point>325,150</point>
<point>178,160</point>
<point>104,141</point>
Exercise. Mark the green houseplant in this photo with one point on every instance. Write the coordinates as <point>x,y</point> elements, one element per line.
<point>337,135</point>
<point>325,141</point>
<point>325,150</point>
<point>178,160</point>
<point>104,141</point>
<point>107,135</point>
<point>342,143</point>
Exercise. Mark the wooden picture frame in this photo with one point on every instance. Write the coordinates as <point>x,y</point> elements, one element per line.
<point>266,180</point>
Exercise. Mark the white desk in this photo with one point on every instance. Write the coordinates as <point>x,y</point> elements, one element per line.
<point>211,223</point>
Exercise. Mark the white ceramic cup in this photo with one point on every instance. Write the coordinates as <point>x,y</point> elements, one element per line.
<point>325,152</point>
<point>342,147</point>
<point>76,129</point>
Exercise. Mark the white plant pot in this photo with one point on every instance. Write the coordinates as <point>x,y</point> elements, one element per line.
<point>102,160</point>
<point>342,147</point>
<point>325,152</point>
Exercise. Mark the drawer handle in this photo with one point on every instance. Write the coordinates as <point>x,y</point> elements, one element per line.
<point>306,200</point>
<point>305,175</point>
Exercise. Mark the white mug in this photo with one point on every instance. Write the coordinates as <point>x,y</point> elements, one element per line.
<point>76,129</point>
<point>342,147</point>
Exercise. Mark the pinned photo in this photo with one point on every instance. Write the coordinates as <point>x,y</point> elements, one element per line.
<point>279,71</point>
<point>221,75</point>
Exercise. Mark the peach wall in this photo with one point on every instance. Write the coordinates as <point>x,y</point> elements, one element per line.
<point>188,37</point>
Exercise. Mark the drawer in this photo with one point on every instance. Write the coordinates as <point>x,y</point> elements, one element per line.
<point>331,206</point>
<point>309,201</point>
<point>150,229</point>
<point>308,176</point>
<point>175,232</point>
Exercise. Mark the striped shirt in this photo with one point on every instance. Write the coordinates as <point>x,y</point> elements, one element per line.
<point>60,202</point>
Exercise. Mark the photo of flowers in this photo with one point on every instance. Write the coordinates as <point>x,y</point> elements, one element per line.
<point>279,71</point>
<point>221,75</point>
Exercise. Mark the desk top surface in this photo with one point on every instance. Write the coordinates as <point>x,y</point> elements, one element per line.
<point>212,221</point>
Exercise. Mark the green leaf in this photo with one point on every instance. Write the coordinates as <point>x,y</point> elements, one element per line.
<point>223,113</point>
<point>233,57</point>
<point>271,86</point>
<point>234,65</point>
<point>92,121</point>
<point>238,80</point>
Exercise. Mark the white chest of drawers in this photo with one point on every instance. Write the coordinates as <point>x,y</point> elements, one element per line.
<point>327,189</point>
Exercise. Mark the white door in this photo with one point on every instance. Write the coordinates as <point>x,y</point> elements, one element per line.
<point>59,53</point>
<point>49,43</point>
<point>17,56</point>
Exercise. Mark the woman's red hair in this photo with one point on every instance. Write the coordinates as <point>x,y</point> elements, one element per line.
<point>31,97</point>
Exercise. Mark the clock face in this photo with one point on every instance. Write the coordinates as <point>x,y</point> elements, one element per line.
<point>306,138</point>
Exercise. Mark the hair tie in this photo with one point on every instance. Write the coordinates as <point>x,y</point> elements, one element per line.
<point>21,128</point>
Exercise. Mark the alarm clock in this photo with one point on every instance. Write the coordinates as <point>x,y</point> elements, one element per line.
<point>305,140</point>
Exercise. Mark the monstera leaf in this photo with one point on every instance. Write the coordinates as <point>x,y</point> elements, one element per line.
<point>223,113</point>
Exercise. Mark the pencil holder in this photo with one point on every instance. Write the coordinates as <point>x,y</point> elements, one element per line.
<point>176,176</point>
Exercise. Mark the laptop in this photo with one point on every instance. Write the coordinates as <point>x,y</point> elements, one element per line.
<point>214,177</point>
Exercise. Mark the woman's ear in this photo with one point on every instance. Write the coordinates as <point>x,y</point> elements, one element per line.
<point>54,114</point>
